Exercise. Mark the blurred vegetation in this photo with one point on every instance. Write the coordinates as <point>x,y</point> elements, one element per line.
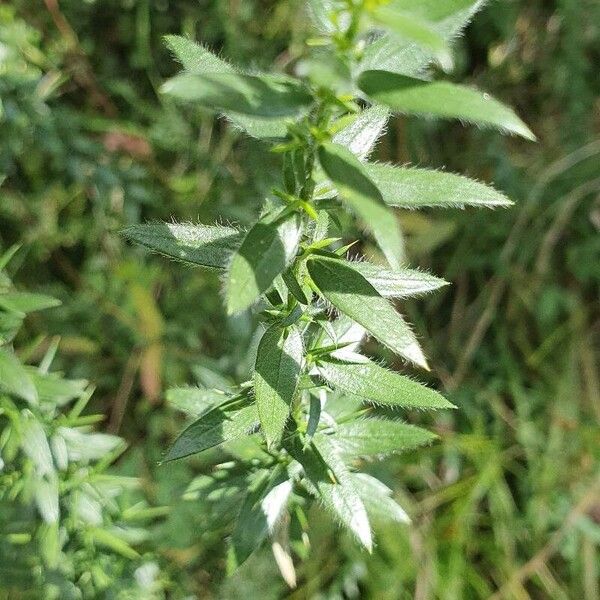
<point>508,504</point>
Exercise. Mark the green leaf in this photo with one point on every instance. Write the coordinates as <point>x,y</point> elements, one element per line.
<point>378,437</point>
<point>379,385</point>
<point>418,188</point>
<point>54,389</point>
<point>23,302</point>
<point>361,135</point>
<point>35,444</point>
<point>391,53</point>
<point>14,379</point>
<point>278,366</point>
<point>217,426</point>
<point>354,296</point>
<point>412,29</point>
<point>204,245</point>
<point>193,400</point>
<point>378,499</point>
<point>356,188</point>
<point>263,506</point>
<point>267,250</point>
<point>329,480</point>
<point>107,539</point>
<point>403,283</point>
<point>440,99</point>
<point>83,447</point>
<point>267,96</point>
<point>200,61</point>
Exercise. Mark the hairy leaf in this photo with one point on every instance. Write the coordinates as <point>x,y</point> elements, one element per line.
<point>14,378</point>
<point>402,283</point>
<point>278,364</point>
<point>356,188</point>
<point>378,499</point>
<point>200,61</point>
<point>193,400</point>
<point>418,188</point>
<point>440,99</point>
<point>361,135</point>
<point>267,250</point>
<point>379,385</point>
<point>329,480</point>
<point>368,437</point>
<point>267,96</point>
<point>354,296</point>
<point>204,245</point>
<point>215,427</point>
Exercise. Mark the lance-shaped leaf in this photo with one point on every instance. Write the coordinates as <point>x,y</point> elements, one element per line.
<point>378,437</point>
<point>392,53</point>
<point>24,302</point>
<point>379,385</point>
<point>267,96</point>
<point>278,365</point>
<point>401,283</point>
<point>361,135</point>
<point>200,61</point>
<point>440,99</point>
<point>14,379</point>
<point>378,499</point>
<point>262,508</point>
<point>219,425</point>
<point>356,188</point>
<point>354,296</point>
<point>418,188</point>
<point>195,245</point>
<point>267,250</point>
<point>330,481</point>
<point>413,29</point>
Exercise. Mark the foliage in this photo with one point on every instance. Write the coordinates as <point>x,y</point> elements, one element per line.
<point>288,264</point>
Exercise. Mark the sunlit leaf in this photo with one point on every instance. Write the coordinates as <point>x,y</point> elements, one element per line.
<point>361,135</point>
<point>24,302</point>
<point>378,499</point>
<point>14,379</point>
<point>194,400</point>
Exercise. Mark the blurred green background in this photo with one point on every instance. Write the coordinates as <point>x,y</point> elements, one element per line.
<point>507,505</point>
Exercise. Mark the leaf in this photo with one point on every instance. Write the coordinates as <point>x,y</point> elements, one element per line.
<point>440,99</point>
<point>109,540</point>
<point>278,365</point>
<point>329,480</point>
<point>23,302</point>
<point>356,188</point>
<point>267,250</point>
<point>204,245</point>
<point>53,388</point>
<point>418,188</point>
<point>262,507</point>
<point>412,29</point>
<point>14,379</point>
<point>215,427</point>
<point>379,385</point>
<point>193,400</point>
<point>391,53</point>
<point>378,499</point>
<point>200,61</point>
<point>354,296</point>
<point>361,135</point>
<point>84,447</point>
<point>267,96</point>
<point>378,437</point>
<point>35,445</point>
<point>402,283</point>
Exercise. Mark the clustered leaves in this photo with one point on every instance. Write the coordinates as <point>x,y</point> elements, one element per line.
<point>66,527</point>
<point>292,265</point>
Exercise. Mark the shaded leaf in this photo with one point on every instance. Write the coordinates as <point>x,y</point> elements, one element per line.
<point>440,99</point>
<point>215,427</point>
<point>278,365</point>
<point>204,245</point>
<point>356,188</point>
<point>354,296</point>
<point>379,385</point>
<point>267,96</point>
<point>267,250</point>
<point>193,400</point>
